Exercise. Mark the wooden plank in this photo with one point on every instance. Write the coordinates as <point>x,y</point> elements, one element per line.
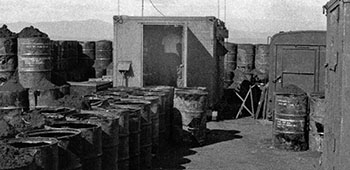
<point>261,102</point>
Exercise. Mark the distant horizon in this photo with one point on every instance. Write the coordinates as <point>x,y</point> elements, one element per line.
<point>106,31</point>
<point>249,16</point>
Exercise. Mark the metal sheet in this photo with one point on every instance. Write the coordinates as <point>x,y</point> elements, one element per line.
<point>296,58</point>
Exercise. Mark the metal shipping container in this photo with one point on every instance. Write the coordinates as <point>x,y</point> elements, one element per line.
<point>175,51</point>
<point>336,151</point>
<point>298,58</point>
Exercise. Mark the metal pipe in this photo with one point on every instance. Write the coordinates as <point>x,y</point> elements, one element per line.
<point>225,10</point>
<point>118,7</point>
<point>143,5</point>
<point>218,8</point>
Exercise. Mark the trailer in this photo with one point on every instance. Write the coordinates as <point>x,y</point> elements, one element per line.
<point>298,58</point>
<point>173,51</point>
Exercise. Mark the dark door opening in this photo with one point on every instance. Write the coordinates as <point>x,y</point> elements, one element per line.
<point>162,55</point>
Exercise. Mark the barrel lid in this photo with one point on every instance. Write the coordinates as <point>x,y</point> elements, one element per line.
<point>72,124</point>
<point>62,133</point>
<point>145,92</point>
<point>44,141</point>
<point>122,89</point>
<point>191,90</point>
<point>101,113</point>
<point>52,109</point>
<point>291,89</point>
<point>289,93</point>
<point>135,101</point>
<point>111,93</point>
<point>154,90</point>
<point>148,98</point>
<point>87,43</point>
<point>160,87</point>
<point>91,114</point>
<point>104,41</point>
<point>318,94</point>
<point>262,44</point>
<point>245,45</point>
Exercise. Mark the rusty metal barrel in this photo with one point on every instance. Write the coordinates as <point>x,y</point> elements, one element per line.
<point>59,64</point>
<point>230,62</point>
<point>146,142</point>
<point>54,55</point>
<point>166,94</point>
<point>88,53</point>
<point>134,116</point>
<point>13,97</point>
<point>262,58</point>
<point>144,107</point>
<point>47,157</point>
<point>123,115</point>
<point>69,143</point>
<point>104,53</point>
<point>317,109</point>
<point>192,105</point>
<point>110,133</point>
<point>245,57</point>
<point>134,139</point>
<point>86,58</point>
<point>55,113</point>
<point>68,51</point>
<point>123,150</point>
<point>290,121</point>
<point>156,107</point>
<point>63,54</point>
<point>91,136</point>
<point>34,60</point>
<point>8,57</point>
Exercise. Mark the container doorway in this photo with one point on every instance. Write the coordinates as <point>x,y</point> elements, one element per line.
<point>163,55</point>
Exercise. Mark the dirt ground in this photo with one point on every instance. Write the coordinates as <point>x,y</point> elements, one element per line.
<point>241,144</point>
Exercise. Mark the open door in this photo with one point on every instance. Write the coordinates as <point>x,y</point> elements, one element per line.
<point>163,55</point>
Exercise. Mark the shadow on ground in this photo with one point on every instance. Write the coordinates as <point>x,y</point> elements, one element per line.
<point>218,135</point>
<point>173,155</point>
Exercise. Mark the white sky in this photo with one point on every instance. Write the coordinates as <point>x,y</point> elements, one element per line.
<point>297,14</point>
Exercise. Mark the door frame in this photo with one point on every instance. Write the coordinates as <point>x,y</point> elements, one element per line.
<point>184,56</point>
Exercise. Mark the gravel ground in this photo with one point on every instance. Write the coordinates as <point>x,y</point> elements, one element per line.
<point>241,144</point>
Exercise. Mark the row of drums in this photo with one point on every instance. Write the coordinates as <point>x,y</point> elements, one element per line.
<point>246,57</point>
<point>116,131</point>
<point>68,56</point>
<point>36,58</point>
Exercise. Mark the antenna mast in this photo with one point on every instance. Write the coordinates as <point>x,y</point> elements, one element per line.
<point>218,8</point>
<point>143,6</point>
<point>118,7</point>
